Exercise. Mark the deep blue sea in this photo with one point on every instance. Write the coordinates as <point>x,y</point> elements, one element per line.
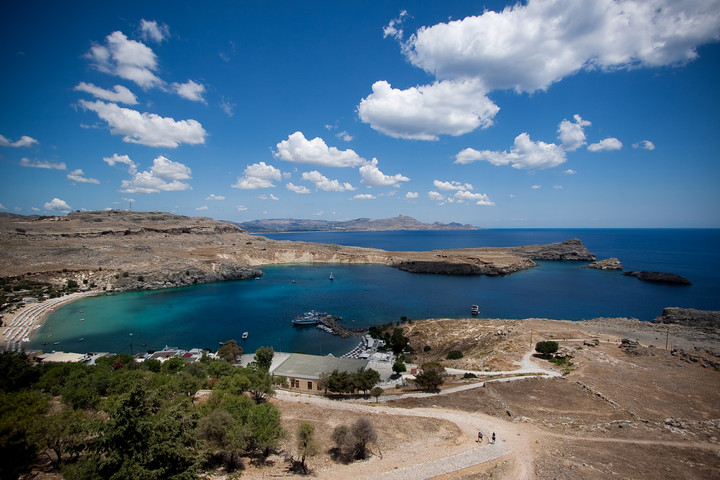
<point>365,295</point>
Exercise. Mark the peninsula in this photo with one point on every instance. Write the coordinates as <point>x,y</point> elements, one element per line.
<point>123,250</point>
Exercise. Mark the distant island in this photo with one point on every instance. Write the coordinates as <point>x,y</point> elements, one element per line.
<point>401,222</point>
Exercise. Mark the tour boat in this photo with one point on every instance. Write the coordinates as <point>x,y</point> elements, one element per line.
<point>474,310</point>
<point>308,318</point>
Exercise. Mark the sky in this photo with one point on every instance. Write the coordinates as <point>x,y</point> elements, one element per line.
<point>544,113</point>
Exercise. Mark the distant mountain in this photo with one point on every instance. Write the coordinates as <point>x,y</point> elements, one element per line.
<point>401,222</point>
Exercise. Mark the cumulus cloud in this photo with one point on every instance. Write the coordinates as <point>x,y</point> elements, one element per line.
<point>425,112</point>
<point>212,196</point>
<point>24,141</point>
<point>125,58</point>
<point>525,154</point>
<point>124,159</point>
<point>463,196</point>
<point>57,205</point>
<point>394,27</point>
<point>536,187</point>
<point>345,136</point>
<point>371,176</point>
<point>605,145</point>
<point>298,149</point>
<point>452,185</point>
<point>569,171</point>
<point>203,208</point>
<point>300,189</point>
<point>26,162</point>
<point>164,176</point>
<point>412,195</point>
<point>190,90</point>
<point>433,195</point>
<point>258,175</point>
<point>147,128</point>
<point>151,30</point>
<point>364,196</point>
<point>268,197</point>
<point>645,144</point>
<point>323,183</point>
<point>241,208</point>
<point>529,47</point>
<point>79,176</point>
<point>572,134</point>
<point>117,94</point>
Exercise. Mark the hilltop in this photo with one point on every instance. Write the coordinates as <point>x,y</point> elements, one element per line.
<point>401,222</point>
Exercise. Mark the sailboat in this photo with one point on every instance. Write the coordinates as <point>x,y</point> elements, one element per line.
<point>331,276</point>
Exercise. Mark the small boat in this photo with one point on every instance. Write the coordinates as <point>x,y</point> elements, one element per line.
<point>56,343</point>
<point>474,310</point>
<point>244,335</point>
<point>81,339</point>
<point>293,281</point>
<point>331,276</point>
<point>81,320</point>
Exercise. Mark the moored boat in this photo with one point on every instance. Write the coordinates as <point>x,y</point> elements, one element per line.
<point>474,310</point>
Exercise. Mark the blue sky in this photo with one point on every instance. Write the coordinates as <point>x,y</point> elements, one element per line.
<point>548,113</point>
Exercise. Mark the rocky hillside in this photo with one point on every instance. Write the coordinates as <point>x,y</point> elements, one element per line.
<point>401,222</point>
<point>122,250</point>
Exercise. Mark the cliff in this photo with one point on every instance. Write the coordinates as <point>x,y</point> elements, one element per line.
<point>121,250</point>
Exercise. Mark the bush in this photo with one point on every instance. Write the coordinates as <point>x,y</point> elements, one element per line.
<point>547,347</point>
<point>454,355</point>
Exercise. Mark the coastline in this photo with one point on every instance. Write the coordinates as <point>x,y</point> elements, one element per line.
<point>23,322</point>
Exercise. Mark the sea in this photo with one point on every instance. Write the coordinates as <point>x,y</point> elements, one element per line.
<point>204,316</point>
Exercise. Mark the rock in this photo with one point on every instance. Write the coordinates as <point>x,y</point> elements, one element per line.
<point>659,277</point>
<point>706,319</point>
<point>568,250</point>
<point>607,264</point>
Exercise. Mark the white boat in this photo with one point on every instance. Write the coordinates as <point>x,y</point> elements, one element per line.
<point>474,310</point>
<point>308,318</point>
<point>331,276</point>
<point>244,335</point>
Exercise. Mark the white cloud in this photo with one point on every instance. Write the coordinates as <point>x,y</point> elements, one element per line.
<point>605,145</point>
<point>128,59</point>
<point>300,189</point>
<point>258,175</point>
<point>241,208</point>
<point>645,144</point>
<point>558,187</point>
<point>228,107</point>
<point>212,196</point>
<point>26,162</point>
<point>2,207</point>
<point>572,135</point>
<point>190,90</point>
<point>529,47</point>
<point>203,208</point>
<point>536,187</point>
<point>24,141</point>
<point>268,197</point>
<point>412,195</point>
<point>79,176</point>
<point>373,177</point>
<point>569,171</point>
<point>344,136</point>
<point>364,196</point>
<point>57,205</point>
<point>452,185</point>
<point>463,196</point>
<point>323,183</point>
<point>393,28</point>
<point>425,112</point>
<point>150,30</point>
<point>433,195</point>
<point>124,159</point>
<point>298,149</point>
<point>164,176</point>
<point>117,94</point>
<point>525,154</point>
<point>147,128</point>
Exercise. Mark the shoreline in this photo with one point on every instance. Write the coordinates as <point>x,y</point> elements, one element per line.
<point>27,319</point>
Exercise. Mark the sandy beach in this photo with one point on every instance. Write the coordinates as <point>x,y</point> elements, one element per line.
<point>23,322</point>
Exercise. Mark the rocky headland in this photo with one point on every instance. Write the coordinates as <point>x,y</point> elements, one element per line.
<point>659,277</point>
<point>124,250</point>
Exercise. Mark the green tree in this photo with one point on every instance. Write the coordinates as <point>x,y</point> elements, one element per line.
<point>17,371</point>
<point>454,355</point>
<point>431,376</point>
<point>261,385</point>
<point>398,341</point>
<point>306,444</point>
<point>399,367</point>
<point>264,357</point>
<point>364,433</point>
<point>364,379</point>
<point>340,382</point>
<point>18,413</point>
<point>230,351</point>
<point>547,347</point>
<point>376,392</point>
<point>265,427</point>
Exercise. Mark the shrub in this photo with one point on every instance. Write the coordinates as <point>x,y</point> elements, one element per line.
<point>547,347</point>
<point>454,355</point>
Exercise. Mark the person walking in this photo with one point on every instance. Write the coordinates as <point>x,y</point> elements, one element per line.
<point>479,436</point>
<point>493,437</point>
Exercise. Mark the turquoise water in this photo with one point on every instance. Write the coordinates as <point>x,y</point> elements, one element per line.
<point>365,295</point>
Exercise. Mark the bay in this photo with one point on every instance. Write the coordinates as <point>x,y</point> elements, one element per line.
<point>365,295</point>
